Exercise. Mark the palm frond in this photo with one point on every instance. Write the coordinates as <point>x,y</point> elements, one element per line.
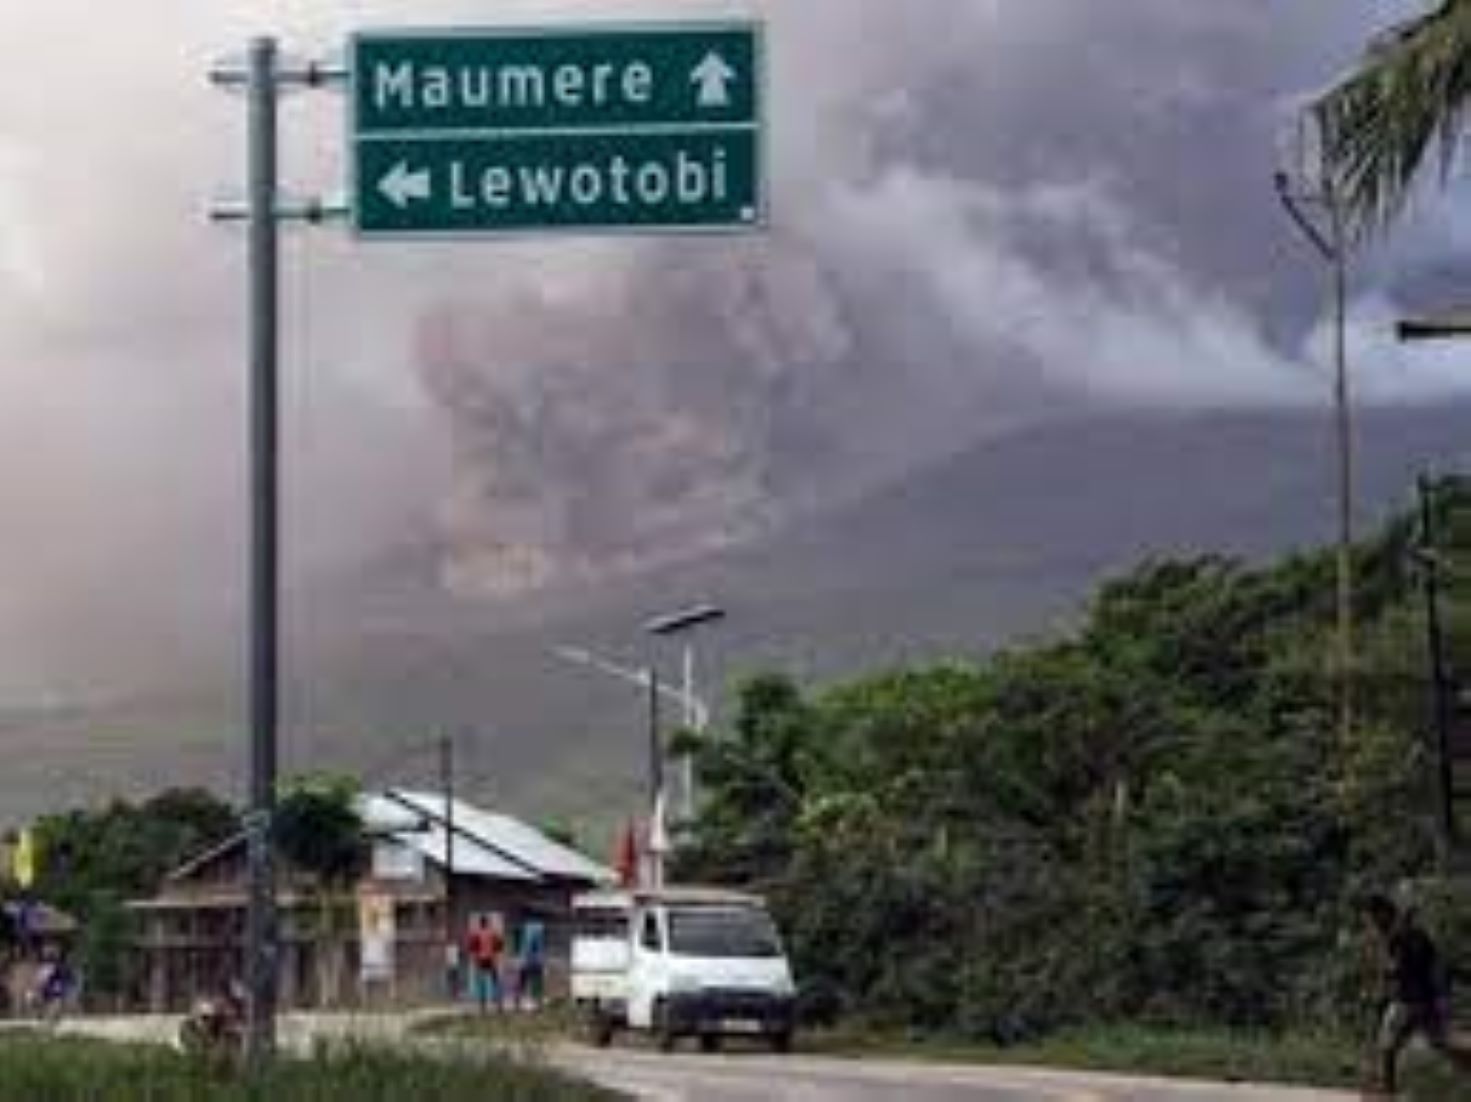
<point>1405,103</point>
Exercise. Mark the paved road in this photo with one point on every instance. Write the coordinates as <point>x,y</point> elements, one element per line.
<point>739,1078</point>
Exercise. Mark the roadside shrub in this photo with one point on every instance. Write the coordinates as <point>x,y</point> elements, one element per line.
<point>65,1070</point>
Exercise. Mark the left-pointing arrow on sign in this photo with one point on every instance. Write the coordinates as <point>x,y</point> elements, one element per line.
<point>402,185</point>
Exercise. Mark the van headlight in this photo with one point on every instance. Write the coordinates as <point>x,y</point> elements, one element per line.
<point>680,984</point>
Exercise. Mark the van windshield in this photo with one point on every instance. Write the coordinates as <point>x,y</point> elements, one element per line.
<point>722,932</point>
<point>602,924</point>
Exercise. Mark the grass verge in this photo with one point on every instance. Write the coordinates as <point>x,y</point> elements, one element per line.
<point>68,1070</point>
<point>519,1028</point>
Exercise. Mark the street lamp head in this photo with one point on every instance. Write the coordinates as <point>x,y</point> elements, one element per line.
<point>1447,325</point>
<point>675,622</point>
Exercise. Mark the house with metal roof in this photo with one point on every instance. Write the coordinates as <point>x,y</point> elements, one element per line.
<point>435,868</point>
<point>474,842</point>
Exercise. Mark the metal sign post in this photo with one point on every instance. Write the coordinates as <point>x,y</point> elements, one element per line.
<point>261,78</point>
<point>264,259</point>
<point>475,131</point>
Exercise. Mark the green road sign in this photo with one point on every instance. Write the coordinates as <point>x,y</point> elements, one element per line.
<point>614,128</point>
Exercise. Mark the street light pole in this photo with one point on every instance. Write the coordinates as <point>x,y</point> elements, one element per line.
<point>1447,325</point>
<point>638,677</point>
<point>684,622</point>
<point>1343,403</point>
<point>656,784</point>
<point>1331,243</point>
<point>648,680</point>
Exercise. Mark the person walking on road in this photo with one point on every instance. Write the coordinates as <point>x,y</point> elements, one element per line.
<point>1415,995</point>
<point>484,949</point>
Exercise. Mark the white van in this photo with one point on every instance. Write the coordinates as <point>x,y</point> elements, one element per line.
<point>679,962</point>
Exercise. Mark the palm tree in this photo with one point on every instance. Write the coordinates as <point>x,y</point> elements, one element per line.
<point>1403,104</point>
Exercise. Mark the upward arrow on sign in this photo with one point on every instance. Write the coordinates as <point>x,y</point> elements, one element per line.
<point>713,76</point>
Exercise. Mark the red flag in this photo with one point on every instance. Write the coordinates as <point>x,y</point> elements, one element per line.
<point>626,859</point>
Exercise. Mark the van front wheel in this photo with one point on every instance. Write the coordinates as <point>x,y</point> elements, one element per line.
<point>600,1027</point>
<point>664,1027</point>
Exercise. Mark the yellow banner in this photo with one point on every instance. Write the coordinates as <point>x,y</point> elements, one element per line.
<point>23,860</point>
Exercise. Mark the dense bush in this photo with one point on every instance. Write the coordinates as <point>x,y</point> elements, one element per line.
<point>1155,818</point>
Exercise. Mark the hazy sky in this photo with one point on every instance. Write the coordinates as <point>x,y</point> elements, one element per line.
<point>984,212</point>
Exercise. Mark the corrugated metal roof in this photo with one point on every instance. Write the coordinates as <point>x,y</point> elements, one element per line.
<point>426,834</point>
<point>485,844</point>
<point>515,840</point>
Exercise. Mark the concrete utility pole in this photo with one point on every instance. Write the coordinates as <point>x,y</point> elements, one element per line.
<point>1442,684</point>
<point>1330,241</point>
<point>261,78</point>
<point>451,932</point>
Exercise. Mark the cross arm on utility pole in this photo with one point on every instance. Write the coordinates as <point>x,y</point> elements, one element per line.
<point>312,210</point>
<point>230,73</point>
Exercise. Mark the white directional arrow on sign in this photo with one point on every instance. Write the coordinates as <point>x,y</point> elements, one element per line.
<point>403,185</point>
<point>713,76</point>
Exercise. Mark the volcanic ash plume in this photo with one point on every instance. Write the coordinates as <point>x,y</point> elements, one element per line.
<point>1033,213</point>
<point>646,420</point>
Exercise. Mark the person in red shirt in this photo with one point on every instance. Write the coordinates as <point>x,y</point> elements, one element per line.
<point>484,948</point>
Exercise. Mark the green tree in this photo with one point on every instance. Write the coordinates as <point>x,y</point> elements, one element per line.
<point>92,861</point>
<point>319,830</point>
<point>754,781</point>
<point>1149,817</point>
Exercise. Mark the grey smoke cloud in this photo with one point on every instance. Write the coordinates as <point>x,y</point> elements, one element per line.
<point>1043,207</point>
<point>986,213</point>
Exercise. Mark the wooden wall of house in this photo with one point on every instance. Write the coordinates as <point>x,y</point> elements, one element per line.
<point>191,948</point>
